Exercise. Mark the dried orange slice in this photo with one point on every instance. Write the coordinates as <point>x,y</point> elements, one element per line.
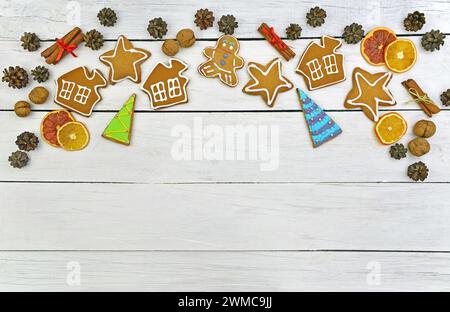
<point>51,123</point>
<point>374,44</point>
<point>390,128</point>
<point>400,55</point>
<point>73,136</point>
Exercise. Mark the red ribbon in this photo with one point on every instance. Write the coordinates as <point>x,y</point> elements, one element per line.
<point>64,47</point>
<point>275,41</point>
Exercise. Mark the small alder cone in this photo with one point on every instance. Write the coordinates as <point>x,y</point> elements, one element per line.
<point>40,74</point>
<point>22,109</point>
<point>15,76</point>
<point>424,128</point>
<point>398,151</point>
<point>204,18</point>
<point>18,159</point>
<point>186,38</point>
<point>419,147</point>
<point>170,47</point>
<point>93,39</point>
<point>445,98</point>
<point>418,171</point>
<point>27,141</point>
<point>38,95</point>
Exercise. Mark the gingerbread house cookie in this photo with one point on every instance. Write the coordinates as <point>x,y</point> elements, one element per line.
<point>78,90</point>
<point>166,85</point>
<point>223,61</point>
<point>321,65</point>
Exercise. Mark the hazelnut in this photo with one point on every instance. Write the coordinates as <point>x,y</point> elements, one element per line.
<point>38,95</point>
<point>424,128</point>
<point>22,109</point>
<point>170,47</point>
<point>418,147</point>
<point>186,38</point>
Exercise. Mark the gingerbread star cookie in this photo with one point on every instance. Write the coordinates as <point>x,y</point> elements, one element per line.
<point>267,81</point>
<point>124,61</point>
<point>369,91</point>
<point>223,61</point>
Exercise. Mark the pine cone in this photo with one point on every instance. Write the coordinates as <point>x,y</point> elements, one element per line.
<point>316,17</point>
<point>418,171</point>
<point>204,18</point>
<point>227,24</point>
<point>414,21</point>
<point>157,28</point>
<point>293,32</point>
<point>445,97</point>
<point>107,17</point>
<point>93,39</point>
<point>30,41</point>
<point>433,40</point>
<point>40,74</point>
<point>16,77</point>
<point>398,151</point>
<point>353,33</point>
<point>18,159</point>
<point>27,141</point>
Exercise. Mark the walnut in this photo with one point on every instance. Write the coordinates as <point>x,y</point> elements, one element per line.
<point>170,47</point>
<point>186,38</point>
<point>38,95</point>
<point>419,147</point>
<point>425,128</point>
<point>22,109</point>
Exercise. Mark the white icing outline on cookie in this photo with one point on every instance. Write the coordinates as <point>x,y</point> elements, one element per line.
<point>272,99</point>
<point>86,71</point>
<point>185,100</point>
<point>121,41</point>
<point>234,62</point>
<point>322,45</point>
<point>377,100</point>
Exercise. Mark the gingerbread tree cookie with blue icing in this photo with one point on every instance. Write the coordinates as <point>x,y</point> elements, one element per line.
<point>321,127</point>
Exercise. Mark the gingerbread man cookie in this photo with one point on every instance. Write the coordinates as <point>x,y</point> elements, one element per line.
<point>223,61</point>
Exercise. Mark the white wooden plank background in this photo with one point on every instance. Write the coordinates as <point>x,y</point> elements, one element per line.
<point>136,219</point>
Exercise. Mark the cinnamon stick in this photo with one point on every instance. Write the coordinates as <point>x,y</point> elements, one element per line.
<point>54,48</point>
<point>276,41</point>
<point>75,41</point>
<point>421,98</point>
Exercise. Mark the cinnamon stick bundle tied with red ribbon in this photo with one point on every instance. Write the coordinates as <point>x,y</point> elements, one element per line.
<point>269,34</point>
<point>421,98</point>
<point>61,47</point>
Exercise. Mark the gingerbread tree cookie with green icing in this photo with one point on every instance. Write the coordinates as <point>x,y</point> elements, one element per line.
<point>119,128</point>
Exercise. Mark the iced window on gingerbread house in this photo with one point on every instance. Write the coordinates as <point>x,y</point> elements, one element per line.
<point>174,87</point>
<point>159,92</point>
<point>66,89</point>
<point>330,64</point>
<point>82,95</point>
<point>315,69</point>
